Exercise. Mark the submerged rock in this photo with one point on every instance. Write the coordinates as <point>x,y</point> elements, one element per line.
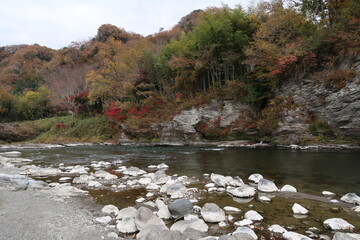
<point>212,213</point>
<point>180,207</point>
<point>265,185</point>
<point>338,224</point>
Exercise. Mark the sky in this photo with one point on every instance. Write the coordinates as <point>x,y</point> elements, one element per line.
<point>57,23</point>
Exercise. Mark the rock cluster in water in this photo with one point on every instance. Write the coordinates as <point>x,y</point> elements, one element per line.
<point>168,209</point>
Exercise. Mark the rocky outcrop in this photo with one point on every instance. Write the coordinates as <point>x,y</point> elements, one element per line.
<point>192,125</point>
<point>337,108</point>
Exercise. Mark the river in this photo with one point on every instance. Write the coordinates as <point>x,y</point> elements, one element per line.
<point>310,172</point>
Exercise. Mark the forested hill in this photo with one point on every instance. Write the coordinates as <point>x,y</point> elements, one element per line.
<point>250,57</point>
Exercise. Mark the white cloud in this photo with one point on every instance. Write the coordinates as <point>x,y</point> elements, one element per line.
<point>56,23</point>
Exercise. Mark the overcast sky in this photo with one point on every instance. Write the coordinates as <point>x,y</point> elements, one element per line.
<point>56,23</point>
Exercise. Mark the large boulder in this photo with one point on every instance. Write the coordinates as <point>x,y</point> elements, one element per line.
<point>352,198</point>
<point>245,191</point>
<point>145,217</point>
<point>266,185</point>
<point>126,212</point>
<point>127,225</point>
<point>180,207</point>
<point>163,210</point>
<point>19,182</point>
<point>212,213</point>
<point>346,236</point>
<point>338,224</point>
<point>244,231</point>
<point>294,236</point>
<point>160,177</point>
<point>197,224</point>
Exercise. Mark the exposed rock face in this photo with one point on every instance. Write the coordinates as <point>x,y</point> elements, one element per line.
<point>338,108</point>
<point>184,127</point>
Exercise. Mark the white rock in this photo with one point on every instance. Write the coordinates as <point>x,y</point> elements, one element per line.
<point>288,188</point>
<point>277,229</point>
<point>221,180</point>
<point>255,177</point>
<point>112,235</point>
<point>328,194</point>
<point>152,186</point>
<point>140,200</point>
<point>134,171</point>
<point>149,195</point>
<point>242,223</point>
<point>253,215</point>
<point>78,170</point>
<point>334,201</point>
<point>66,191</point>
<point>346,236</point>
<point>212,213</point>
<point>64,179</point>
<point>145,181</point>
<point>264,199</point>
<point>162,166</point>
<point>94,184</point>
<point>246,230</point>
<point>295,236</point>
<point>190,217</point>
<point>126,212</point>
<point>231,209</point>
<point>244,191</point>
<point>212,189</point>
<point>356,209</point>
<point>352,198</point>
<point>222,224</point>
<point>11,154</point>
<point>338,224</point>
<point>163,211</point>
<point>126,225</point>
<point>210,185</point>
<point>298,209</point>
<point>105,175</point>
<point>197,224</point>
<point>265,185</point>
<point>110,209</point>
<point>83,179</point>
<point>103,220</point>
<point>152,166</point>
<point>150,204</point>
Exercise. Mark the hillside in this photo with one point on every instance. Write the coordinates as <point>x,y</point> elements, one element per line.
<point>272,73</point>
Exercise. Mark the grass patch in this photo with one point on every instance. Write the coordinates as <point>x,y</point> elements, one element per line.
<point>68,129</point>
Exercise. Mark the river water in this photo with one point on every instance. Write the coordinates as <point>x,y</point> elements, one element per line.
<point>309,171</point>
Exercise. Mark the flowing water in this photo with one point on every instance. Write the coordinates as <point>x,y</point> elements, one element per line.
<point>309,171</point>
